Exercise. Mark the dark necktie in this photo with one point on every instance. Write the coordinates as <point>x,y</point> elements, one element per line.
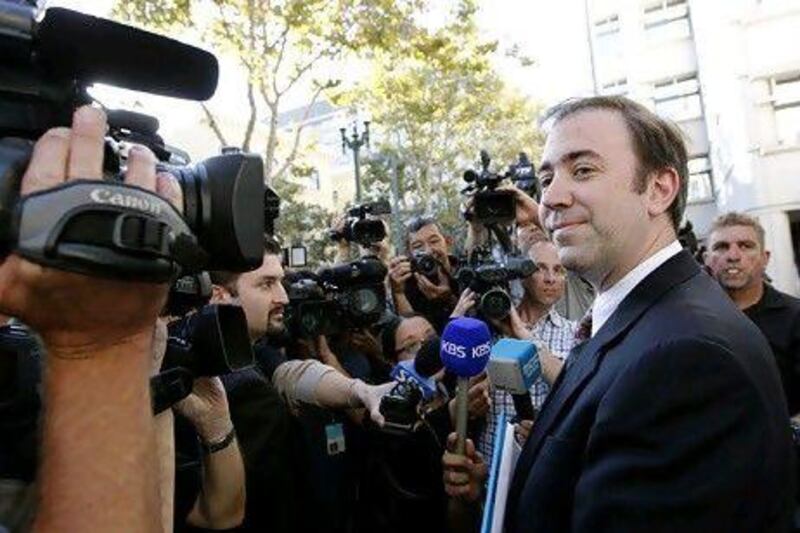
<point>582,334</point>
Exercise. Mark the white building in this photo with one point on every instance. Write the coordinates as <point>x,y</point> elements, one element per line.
<point>728,73</point>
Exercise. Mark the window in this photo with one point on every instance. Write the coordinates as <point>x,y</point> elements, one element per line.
<point>608,44</point>
<point>667,19</point>
<point>617,87</point>
<point>786,104</point>
<point>314,178</point>
<point>701,188</point>
<point>678,98</point>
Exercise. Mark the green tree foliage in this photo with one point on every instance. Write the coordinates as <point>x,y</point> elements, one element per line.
<point>436,101</point>
<point>286,48</point>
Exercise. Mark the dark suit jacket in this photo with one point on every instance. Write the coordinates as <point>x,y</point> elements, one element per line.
<point>671,418</point>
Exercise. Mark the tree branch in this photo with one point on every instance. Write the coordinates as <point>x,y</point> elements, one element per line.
<point>212,122</point>
<point>296,143</point>
<point>251,121</point>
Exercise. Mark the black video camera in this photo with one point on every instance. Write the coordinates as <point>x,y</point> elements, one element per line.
<point>357,291</point>
<point>188,293</point>
<point>489,279</point>
<point>360,229</point>
<point>106,228</point>
<point>310,312</point>
<point>524,177</point>
<point>490,205</point>
<point>211,342</point>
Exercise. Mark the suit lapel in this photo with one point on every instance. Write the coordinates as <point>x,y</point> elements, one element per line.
<point>571,381</point>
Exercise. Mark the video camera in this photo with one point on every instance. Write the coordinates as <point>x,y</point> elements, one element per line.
<point>489,279</point>
<point>524,177</point>
<point>347,296</point>
<point>211,342</point>
<point>107,228</point>
<point>360,229</point>
<point>311,311</point>
<point>490,205</point>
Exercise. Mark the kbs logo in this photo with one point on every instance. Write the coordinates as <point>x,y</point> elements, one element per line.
<point>460,351</point>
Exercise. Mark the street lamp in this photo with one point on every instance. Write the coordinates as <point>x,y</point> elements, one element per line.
<point>354,143</point>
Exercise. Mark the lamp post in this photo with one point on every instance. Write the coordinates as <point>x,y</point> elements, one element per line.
<point>354,143</point>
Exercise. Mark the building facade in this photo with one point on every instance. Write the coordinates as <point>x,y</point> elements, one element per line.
<point>726,72</point>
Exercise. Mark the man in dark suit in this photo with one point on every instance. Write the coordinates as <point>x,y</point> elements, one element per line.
<point>670,416</point>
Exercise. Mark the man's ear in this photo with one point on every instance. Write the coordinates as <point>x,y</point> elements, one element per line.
<point>220,295</point>
<point>662,188</point>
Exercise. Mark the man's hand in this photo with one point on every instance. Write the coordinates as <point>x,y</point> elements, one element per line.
<point>465,303</point>
<point>399,272</point>
<point>513,326</point>
<point>431,290</point>
<point>370,397</point>
<point>522,431</point>
<point>464,475</point>
<point>527,210</point>
<point>207,409</point>
<point>74,313</point>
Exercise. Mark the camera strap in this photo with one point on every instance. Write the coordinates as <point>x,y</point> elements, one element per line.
<point>105,229</point>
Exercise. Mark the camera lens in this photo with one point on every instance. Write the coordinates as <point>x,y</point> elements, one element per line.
<point>495,304</point>
<point>364,301</point>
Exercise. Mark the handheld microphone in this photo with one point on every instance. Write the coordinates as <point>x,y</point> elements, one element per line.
<point>513,367</point>
<point>420,369</point>
<point>466,344</point>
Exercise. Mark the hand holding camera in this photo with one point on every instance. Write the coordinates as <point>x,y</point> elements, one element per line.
<point>73,312</point>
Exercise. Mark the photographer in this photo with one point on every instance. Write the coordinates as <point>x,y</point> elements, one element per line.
<point>432,294</point>
<point>220,500</point>
<point>97,472</point>
<point>262,399</point>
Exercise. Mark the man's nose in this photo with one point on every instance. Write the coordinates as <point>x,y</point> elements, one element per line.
<point>558,193</point>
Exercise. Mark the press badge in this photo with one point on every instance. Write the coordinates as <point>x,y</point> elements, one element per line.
<point>335,435</point>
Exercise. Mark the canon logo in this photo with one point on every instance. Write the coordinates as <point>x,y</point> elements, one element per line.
<point>105,196</point>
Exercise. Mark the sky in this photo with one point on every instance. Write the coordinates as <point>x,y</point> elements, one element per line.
<point>519,23</point>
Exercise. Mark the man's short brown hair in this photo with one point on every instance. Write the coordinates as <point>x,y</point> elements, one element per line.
<point>658,142</point>
<point>733,218</point>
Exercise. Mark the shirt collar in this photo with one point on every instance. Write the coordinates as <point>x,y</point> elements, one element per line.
<point>607,301</point>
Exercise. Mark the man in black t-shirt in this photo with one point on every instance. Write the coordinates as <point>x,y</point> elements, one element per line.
<point>737,259</point>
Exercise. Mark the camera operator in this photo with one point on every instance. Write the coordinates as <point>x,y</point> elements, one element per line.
<point>98,464</point>
<point>261,399</point>
<point>220,500</point>
<point>433,296</point>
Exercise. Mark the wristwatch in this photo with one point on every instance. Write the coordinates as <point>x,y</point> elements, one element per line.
<point>212,447</point>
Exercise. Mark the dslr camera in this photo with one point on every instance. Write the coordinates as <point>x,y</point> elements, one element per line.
<point>359,229</point>
<point>424,263</point>
<point>107,228</point>
<point>311,311</point>
<point>489,279</point>
<point>524,177</point>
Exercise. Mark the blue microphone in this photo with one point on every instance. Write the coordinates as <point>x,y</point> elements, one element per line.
<point>513,367</point>
<point>466,345</point>
<point>406,371</point>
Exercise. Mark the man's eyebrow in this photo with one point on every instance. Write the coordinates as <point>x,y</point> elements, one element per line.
<point>569,156</point>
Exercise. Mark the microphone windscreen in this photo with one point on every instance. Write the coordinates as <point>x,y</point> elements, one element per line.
<point>92,49</point>
<point>514,365</point>
<point>427,361</point>
<point>466,345</point>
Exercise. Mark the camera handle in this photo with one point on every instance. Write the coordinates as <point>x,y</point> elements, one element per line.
<point>102,229</point>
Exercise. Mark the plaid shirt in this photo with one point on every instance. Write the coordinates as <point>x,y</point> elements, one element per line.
<point>558,334</point>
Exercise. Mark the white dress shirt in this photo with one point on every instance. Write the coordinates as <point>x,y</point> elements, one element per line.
<point>607,301</point>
